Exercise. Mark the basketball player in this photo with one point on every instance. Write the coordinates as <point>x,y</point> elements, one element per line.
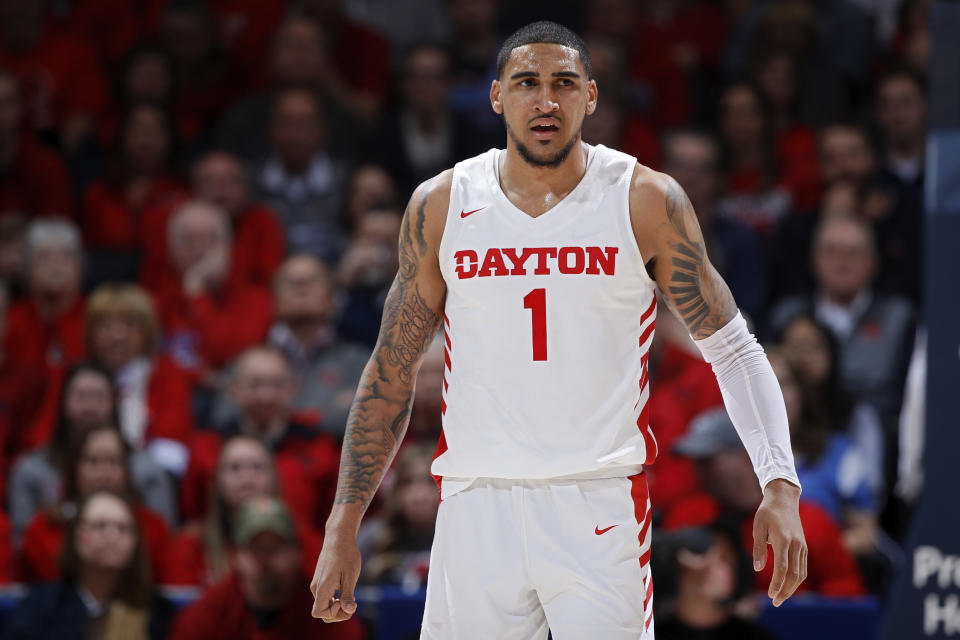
<point>541,263</point>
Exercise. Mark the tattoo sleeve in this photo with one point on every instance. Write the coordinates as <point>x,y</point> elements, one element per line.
<point>694,289</point>
<point>381,409</point>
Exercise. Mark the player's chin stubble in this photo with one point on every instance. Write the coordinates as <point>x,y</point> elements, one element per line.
<point>554,161</point>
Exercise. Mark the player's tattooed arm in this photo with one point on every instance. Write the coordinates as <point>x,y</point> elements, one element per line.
<point>412,315</point>
<point>669,232</point>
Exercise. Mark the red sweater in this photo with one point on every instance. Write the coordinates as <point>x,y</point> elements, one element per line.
<point>43,537</point>
<point>21,395</point>
<point>206,332</point>
<point>259,245</point>
<point>831,570</point>
<point>222,614</point>
<point>307,462</point>
<point>36,183</point>
<point>32,342</point>
<point>185,559</point>
<point>7,558</point>
<point>110,223</point>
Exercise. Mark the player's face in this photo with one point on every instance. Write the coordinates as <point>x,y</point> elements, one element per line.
<point>544,95</point>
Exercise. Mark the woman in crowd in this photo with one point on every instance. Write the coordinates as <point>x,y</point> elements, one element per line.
<point>123,336</point>
<point>99,461</point>
<point>199,555</point>
<point>106,590</point>
<point>87,399</point>
<point>396,547</point>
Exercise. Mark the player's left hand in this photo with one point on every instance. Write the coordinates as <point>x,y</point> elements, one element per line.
<point>778,523</point>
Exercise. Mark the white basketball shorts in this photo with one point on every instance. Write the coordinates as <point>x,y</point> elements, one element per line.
<point>512,559</point>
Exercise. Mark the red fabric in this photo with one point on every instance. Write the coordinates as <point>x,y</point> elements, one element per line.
<point>652,65</point>
<point>222,614</point>
<point>7,557</point>
<point>831,570</point>
<point>700,29</point>
<point>31,342</point>
<point>21,395</point>
<point>109,222</point>
<point>36,183</point>
<point>640,140</point>
<point>259,246</point>
<point>683,387</point>
<point>361,55</point>
<point>59,77</point>
<point>109,27</point>
<point>43,537</point>
<point>206,331</point>
<point>185,561</point>
<point>307,463</point>
<point>797,152</point>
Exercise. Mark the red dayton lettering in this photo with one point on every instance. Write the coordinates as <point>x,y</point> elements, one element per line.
<point>514,262</point>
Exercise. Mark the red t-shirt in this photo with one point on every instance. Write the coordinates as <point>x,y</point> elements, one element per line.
<point>60,76</point>
<point>222,614</point>
<point>109,222</point>
<point>831,570</point>
<point>109,27</point>
<point>36,183</point>
<point>43,538</point>
<point>21,395</point>
<point>32,342</point>
<point>8,565</point>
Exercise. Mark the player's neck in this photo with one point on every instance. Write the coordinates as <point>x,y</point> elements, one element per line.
<point>521,179</point>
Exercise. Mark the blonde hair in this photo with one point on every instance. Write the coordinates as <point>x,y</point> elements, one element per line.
<point>127,300</point>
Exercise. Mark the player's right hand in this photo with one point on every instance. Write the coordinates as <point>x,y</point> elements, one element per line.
<point>335,578</point>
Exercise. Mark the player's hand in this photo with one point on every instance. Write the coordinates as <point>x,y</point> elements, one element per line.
<point>335,578</point>
<point>777,523</point>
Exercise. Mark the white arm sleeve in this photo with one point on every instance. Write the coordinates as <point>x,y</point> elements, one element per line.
<point>753,399</point>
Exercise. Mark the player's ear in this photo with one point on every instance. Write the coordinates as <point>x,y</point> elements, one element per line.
<point>495,97</point>
<point>592,96</point>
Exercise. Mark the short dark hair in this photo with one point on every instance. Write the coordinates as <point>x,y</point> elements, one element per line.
<point>544,31</point>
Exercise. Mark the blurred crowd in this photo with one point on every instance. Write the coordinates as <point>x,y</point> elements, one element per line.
<point>199,207</point>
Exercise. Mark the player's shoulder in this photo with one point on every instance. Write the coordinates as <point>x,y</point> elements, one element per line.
<point>431,198</point>
<point>648,186</point>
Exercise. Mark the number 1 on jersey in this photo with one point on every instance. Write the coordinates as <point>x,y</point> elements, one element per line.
<point>536,301</point>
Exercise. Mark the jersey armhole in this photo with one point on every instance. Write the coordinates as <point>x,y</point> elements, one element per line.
<point>626,226</point>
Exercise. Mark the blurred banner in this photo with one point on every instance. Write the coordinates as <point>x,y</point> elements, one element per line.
<point>925,601</point>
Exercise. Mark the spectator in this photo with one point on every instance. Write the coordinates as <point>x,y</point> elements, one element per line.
<point>46,329</point>
<point>141,177</point>
<point>108,27</point>
<point>21,393</point>
<point>87,399</point>
<point>613,126</point>
<point>831,471</point>
<point>208,318</point>
<point>266,595</point>
<point>396,547</point>
<point>300,179</point>
<point>262,387</point>
<point>200,553</point>
<point>370,186</point>
<point>424,136</point>
<point>693,159</point>
<point>106,590</point>
<point>258,239</point>
<point>731,491</point>
<point>812,351</point>
<point>901,109</point>
<point>355,60</point>
<point>874,331</point>
<point>425,424</point>
<point>758,197</point>
<point>295,60</point>
<point>366,271</point>
<point>33,178</point>
<point>100,461</point>
<point>703,572</point>
<point>326,366</point>
<point>123,336</point>
<point>63,86</point>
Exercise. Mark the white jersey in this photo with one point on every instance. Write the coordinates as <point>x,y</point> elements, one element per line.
<point>548,324</point>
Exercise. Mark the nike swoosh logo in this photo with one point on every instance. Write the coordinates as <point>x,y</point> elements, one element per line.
<point>600,531</point>
<point>464,214</point>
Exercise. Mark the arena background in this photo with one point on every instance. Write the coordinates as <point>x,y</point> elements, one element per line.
<point>185,181</point>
